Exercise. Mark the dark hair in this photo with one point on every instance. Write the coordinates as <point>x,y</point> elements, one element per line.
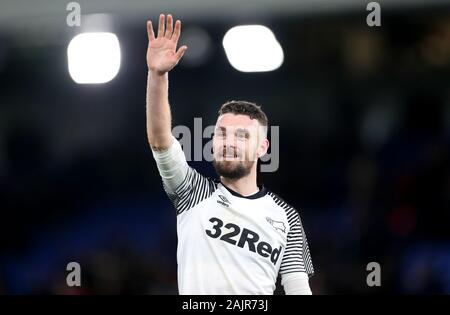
<point>245,108</point>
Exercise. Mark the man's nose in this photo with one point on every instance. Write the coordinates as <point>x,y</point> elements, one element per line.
<point>230,141</point>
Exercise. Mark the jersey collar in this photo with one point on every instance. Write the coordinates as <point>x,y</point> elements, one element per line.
<point>261,193</point>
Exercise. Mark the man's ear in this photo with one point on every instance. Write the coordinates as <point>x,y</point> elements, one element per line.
<point>263,147</point>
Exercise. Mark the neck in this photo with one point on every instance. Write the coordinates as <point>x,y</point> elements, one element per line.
<point>246,186</point>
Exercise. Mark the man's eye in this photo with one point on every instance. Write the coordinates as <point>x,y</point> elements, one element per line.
<point>242,135</point>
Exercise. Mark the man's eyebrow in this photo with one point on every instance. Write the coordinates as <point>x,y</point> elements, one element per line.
<point>238,130</point>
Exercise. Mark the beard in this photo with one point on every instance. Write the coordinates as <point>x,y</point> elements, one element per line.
<point>233,169</point>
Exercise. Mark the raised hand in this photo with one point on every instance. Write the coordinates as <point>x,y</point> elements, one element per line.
<point>162,55</point>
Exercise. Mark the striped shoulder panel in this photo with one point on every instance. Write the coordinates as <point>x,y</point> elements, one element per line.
<point>297,257</point>
<point>291,213</point>
<point>194,189</point>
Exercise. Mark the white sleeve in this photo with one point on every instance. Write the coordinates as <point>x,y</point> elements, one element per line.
<point>184,185</point>
<point>296,283</point>
<point>172,165</point>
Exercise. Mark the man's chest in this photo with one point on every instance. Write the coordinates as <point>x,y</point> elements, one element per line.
<point>252,228</point>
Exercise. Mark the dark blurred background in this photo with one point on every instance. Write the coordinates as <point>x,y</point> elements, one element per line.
<point>364,118</point>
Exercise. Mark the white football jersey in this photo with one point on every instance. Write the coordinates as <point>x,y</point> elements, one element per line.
<point>229,243</point>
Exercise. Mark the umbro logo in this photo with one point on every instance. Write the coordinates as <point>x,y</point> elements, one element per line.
<point>223,201</point>
<point>277,225</point>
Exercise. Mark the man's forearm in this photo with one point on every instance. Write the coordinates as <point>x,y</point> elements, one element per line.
<point>158,111</point>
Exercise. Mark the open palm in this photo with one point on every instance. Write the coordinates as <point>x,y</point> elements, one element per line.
<point>162,55</point>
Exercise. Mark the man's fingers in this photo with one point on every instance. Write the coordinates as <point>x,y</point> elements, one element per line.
<point>161,27</point>
<point>169,28</point>
<point>151,35</point>
<point>181,52</point>
<point>176,33</point>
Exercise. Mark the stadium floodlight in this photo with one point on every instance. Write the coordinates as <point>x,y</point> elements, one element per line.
<point>93,57</point>
<point>252,48</point>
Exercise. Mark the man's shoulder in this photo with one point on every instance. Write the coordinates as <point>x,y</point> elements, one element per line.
<point>195,177</point>
<point>282,204</point>
<point>279,200</point>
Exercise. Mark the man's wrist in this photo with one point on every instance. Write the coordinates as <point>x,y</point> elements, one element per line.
<point>156,73</point>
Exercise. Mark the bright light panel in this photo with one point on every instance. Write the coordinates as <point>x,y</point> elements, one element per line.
<point>93,57</point>
<point>252,48</point>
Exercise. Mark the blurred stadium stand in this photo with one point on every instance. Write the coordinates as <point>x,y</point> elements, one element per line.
<point>364,116</point>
